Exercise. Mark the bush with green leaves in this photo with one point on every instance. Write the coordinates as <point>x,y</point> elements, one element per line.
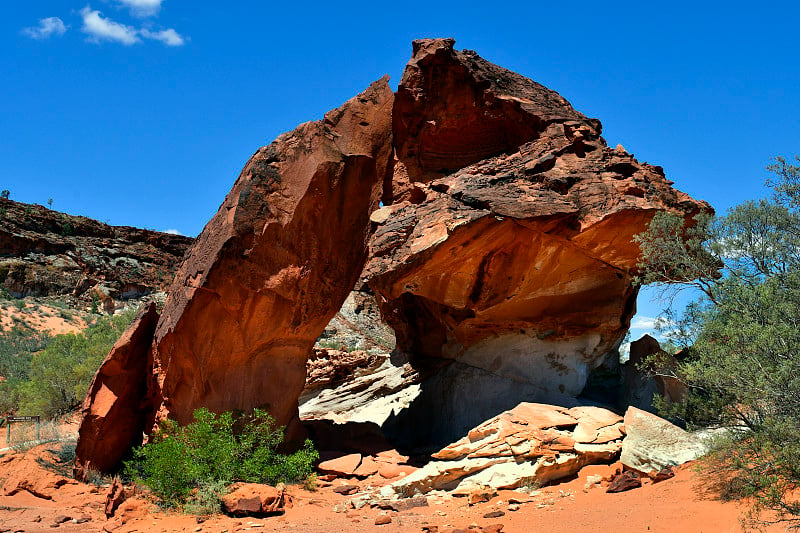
<point>54,381</point>
<point>742,337</point>
<point>181,462</point>
<point>17,347</point>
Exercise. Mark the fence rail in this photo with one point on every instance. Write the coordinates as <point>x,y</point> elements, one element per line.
<point>8,420</point>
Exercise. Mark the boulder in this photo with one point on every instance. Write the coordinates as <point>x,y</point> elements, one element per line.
<point>624,481</point>
<point>652,443</point>
<point>254,499</point>
<point>530,444</point>
<point>639,387</point>
<point>113,420</point>
<point>505,246</point>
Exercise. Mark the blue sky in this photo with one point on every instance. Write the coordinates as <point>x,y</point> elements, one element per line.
<point>142,112</point>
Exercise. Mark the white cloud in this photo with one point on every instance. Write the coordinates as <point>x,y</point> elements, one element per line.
<point>643,322</point>
<point>47,28</point>
<point>169,36</point>
<point>142,8</point>
<point>172,232</point>
<point>102,29</point>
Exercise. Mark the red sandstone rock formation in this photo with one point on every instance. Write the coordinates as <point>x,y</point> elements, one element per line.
<point>453,109</point>
<point>113,419</point>
<point>273,266</point>
<point>508,247</point>
<point>640,387</point>
<point>531,442</point>
<point>503,258</point>
<point>255,499</point>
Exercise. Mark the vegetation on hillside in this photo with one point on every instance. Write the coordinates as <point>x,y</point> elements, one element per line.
<point>49,376</point>
<point>742,335</point>
<point>189,467</point>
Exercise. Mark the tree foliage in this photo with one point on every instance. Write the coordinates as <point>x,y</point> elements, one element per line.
<point>214,450</point>
<point>50,376</point>
<point>17,347</point>
<point>742,334</point>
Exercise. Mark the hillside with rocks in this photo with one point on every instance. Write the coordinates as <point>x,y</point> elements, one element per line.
<point>48,253</point>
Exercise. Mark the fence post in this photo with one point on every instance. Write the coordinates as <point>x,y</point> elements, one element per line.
<point>8,432</point>
<point>38,428</point>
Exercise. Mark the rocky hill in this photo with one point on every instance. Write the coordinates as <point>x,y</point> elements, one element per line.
<point>46,253</point>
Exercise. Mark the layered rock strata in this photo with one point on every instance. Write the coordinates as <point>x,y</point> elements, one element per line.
<point>508,246</point>
<point>530,444</point>
<point>46,253</point>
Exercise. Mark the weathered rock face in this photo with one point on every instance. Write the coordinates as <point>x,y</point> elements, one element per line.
<point>639,388</point>
<point>652,443</point>
<point>273,266</point>
<point>44,253</point>
<point>509,246</point>
<point>453,109</point>
<point>326,368</point>
<point>113,418</point>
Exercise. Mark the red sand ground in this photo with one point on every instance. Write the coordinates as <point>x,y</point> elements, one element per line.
<point>675,505</point>
<point>41,318</point>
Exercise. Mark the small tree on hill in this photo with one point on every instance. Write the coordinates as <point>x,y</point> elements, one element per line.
<point>743,335</point>
<point>5,193</point>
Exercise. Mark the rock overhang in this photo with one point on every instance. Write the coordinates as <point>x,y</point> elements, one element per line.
<point>504,247</point>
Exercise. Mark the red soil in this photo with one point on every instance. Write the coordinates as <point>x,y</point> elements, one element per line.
<point>678,504</point>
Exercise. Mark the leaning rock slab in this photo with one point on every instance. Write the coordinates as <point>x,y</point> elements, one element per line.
<point>113,420</point>
<point>273,266</point>
<point>652,443</point>
<point>345,465</point>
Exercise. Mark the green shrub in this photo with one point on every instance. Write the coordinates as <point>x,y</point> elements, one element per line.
<point>206,500</point>
<point>180,463</point>
<point>55,381</point>
<point>17,347</point>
